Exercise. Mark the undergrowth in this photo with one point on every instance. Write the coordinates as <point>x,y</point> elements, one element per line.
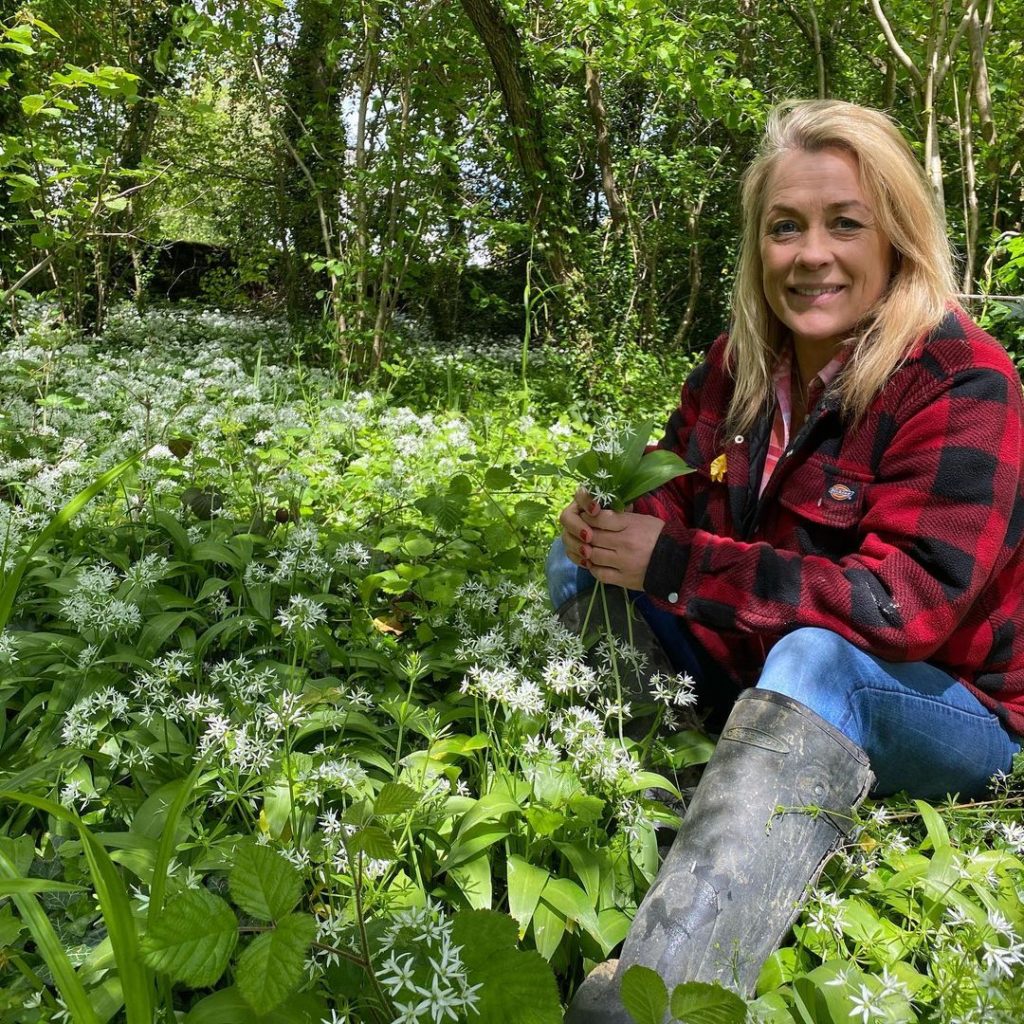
<point>290,733</point>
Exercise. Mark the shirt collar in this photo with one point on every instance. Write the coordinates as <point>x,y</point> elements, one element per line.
<point>783,375</point>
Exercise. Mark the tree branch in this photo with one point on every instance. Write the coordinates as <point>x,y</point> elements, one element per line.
<point>898,52</point>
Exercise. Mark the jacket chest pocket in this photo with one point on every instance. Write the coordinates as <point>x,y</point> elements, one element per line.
<point>824,504</point>
<point>710,495</point>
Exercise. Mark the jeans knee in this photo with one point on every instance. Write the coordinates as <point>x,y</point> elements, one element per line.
<point>807,647</point>
<point>811,666</point>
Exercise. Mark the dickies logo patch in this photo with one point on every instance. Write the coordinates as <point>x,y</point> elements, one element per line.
<point>841,492</point>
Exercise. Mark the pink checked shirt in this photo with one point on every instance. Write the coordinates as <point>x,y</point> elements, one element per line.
<point>783,381</point>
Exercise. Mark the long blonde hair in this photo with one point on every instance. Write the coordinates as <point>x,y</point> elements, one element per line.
<point>922,285</point>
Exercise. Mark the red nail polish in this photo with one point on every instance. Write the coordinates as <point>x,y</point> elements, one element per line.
<point>584,535</point>
<point>594,508</point>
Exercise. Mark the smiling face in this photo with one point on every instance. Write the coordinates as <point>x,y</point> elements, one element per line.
<point>825,262</point>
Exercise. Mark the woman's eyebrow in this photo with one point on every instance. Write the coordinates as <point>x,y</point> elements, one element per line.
<point>842,204</point>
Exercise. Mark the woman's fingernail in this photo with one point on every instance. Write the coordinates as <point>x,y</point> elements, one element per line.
<point>593,508</point>
<point>584,535</point>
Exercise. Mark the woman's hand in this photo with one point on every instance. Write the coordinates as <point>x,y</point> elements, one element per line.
<point>615,546</point>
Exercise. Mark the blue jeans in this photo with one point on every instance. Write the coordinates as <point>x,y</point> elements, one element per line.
<point>924,732</point>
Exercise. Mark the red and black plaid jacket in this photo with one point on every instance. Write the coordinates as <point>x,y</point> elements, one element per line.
<point>902,534</point>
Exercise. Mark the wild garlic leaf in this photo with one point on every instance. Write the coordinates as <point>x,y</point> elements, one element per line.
<point>656,468</point>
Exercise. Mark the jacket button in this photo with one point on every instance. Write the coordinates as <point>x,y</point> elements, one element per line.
<point>673,597</point>
<point>738,439</point>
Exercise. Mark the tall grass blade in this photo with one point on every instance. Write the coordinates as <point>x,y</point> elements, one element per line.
<point>136,979</point>
<point>50,948</point>
<point>165,850</point>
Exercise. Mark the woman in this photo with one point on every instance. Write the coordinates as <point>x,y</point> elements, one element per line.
<point>850,542</point>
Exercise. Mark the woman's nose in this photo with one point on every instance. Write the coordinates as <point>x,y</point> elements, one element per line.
<point>814,248</point>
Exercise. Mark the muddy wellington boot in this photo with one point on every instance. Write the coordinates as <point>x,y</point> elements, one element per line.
<point>738,871</point>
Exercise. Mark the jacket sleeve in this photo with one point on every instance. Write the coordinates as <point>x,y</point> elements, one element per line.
<point>673,501</point>
<point>941,517</point>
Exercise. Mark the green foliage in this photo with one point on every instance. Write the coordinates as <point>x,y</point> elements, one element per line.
<point>263,883</point>
<point>646,997</point>
<point>192,938</point>
<point>303,142</point>
<point>516,985</point>
<point>616,470</point>
<point>285,716</point>
<point>272,965</point>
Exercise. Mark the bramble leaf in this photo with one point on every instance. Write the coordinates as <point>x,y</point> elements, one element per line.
<point>644,995</point>
<point>192,938</point>
<point>263,883</point>
<point>273,965</point>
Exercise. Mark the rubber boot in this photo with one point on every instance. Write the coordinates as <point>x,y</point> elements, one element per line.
<point>775,800</point>
<point>629,626</point>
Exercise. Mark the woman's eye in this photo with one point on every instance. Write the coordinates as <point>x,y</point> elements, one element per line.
<point>782,227</point>
<point>847,224</point>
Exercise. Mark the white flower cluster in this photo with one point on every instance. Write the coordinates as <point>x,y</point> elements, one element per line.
<point>94,605</point>
<point>506,687</point>
<point>302,615</point>
<point>422,970</point>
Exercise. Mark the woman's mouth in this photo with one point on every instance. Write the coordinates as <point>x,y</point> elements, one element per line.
<point>816,290</point>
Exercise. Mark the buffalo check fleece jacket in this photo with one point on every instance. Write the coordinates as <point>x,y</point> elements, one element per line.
<point>902,533</point>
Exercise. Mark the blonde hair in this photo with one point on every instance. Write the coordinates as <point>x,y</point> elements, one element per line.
<point>904,207</point>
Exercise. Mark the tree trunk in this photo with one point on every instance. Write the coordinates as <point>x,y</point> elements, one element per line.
<point>314,127</point>
<point>748,32</point>
<point>970,187</point>
<point>940,51</point>
<point>602,137</point>
<point>546,189</point>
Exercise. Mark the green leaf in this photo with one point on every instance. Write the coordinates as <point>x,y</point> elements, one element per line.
<point>228,1006</point>
<point>633,441</point>
<point>572,902</point>
<point>20,886</point>
<point>192,938</point>
<point>474,841</point>
<point>489,808</point>
<point>374,842</point>
<point>273,965</point>
<point>157,629</point>
<point>33,104</point>
<point>473,877</point>
<point>263,883</point>
<point>117,203</point>
<point>697,1002</point>
<point>655,469</point>
<point>934,825</point>
<point>548,930</point>
<point>395,798</point>
<point>517,987</point>
<point>644,995</point>
<point>529,512</point>
<point>498,478</point>
<point>526,882</point>
<point>417,545</point>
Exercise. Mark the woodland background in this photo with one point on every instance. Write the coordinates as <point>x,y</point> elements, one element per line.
<point>567,168</point>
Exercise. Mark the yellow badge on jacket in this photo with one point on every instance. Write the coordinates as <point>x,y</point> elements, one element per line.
<point>718,468</point>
